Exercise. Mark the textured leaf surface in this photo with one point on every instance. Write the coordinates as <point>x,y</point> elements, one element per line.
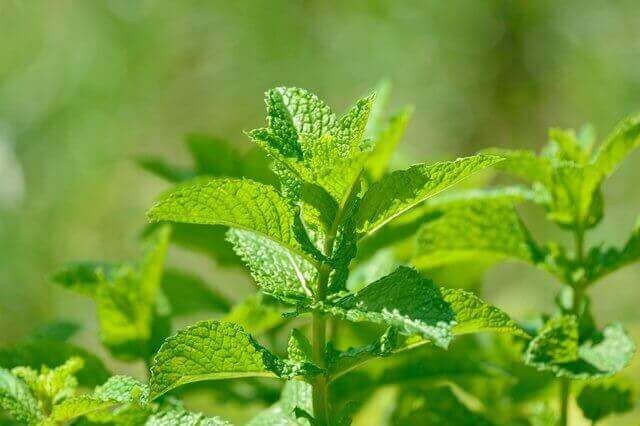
<point>524,164</point>
<point>403,189</point>
<point>402,299</point>
<point>117,390</point>
<point>17,400</point>
<point>305,138</point>
<point>473,315</point>
<point>599,400</point>
<point>209,350</point>
<point>277,270</point>
<point>556,349</point>
<point>184,418</point>
<point>232,202</point>
<point>415,305</point>
<point>478,227</point>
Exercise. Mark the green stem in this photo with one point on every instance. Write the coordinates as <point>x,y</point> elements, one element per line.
<point>319,343</point>
<point>320,383</point>
<point>578,295</point>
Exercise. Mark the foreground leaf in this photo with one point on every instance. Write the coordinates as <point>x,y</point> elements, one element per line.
<point>277,270</point>
<point>237,203</point>
<point>209,350</point>
<point>415,305</point>
<point>403,189</point>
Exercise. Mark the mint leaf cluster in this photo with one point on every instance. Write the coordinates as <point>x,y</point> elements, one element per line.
<point>368,286</point>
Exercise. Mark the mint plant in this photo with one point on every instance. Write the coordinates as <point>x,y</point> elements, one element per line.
<point>482,227</point>
<point>298,241</point>
<point>347,320</point>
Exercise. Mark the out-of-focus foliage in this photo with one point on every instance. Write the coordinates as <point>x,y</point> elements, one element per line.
<point>86,88</point>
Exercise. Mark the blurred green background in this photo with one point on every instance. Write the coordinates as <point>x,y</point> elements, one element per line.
<point>86,87</point>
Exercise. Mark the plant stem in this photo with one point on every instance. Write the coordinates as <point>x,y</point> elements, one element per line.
<point>319,343</point>
<point>320,403</point>
<point>578,294</point>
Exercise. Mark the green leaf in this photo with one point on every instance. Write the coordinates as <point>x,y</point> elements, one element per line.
<point>295,394</point>
<point>478,227</point>
<point>57,331</point>
<point>403,189</point>
<point>556,348</point>
<point>184,418</point>
<point>277,270</point>
<point>309,144</point>
<point>204,239</point>
<point>256,315</point>
<point>599,400</point>
<point>376,115</point>
<point>575,197</point>
<point>238,203</point>
<point>188,293</point>
<point>17,400</point>
<point>385,144</point>
<point>624,139</point>
<point>434,407</point>
<point>524,164</point>
<point>402,299</point>
<point>565,145</point>
<point>299,349</point>
<point>50,386</point>
<point>473,315</point>
<point>602,262</point>
<point>214,157</point>
<point>209,350</point>
<point>126,303</point>
<point>116,391</point>
<point>164,170</point>
<point>415,305</point>
<point>293,111</point>
<point>125,296</point>
<point>85,277</point>
<point>35,354</point>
